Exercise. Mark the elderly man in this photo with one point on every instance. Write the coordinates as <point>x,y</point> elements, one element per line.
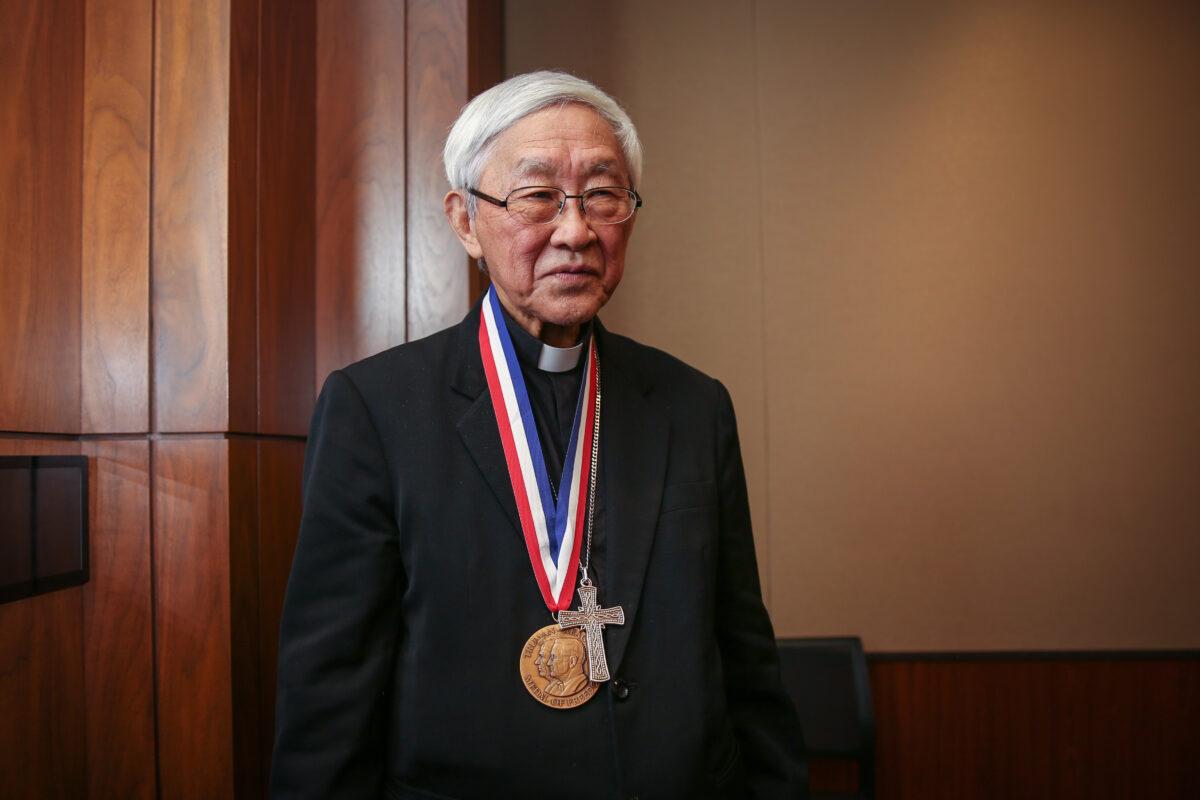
<point>521,475</point>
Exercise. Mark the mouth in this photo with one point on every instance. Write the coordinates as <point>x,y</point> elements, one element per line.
<point>574,272</point>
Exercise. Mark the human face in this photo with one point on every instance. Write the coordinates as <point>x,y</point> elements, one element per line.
<point>551,278</point>
<point>560,664</point>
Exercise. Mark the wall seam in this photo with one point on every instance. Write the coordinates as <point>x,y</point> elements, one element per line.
<point>85,636</point>
<point>258,82</point>
<point>83,162</point>
<point>264,777</point>
<point>151,405</point>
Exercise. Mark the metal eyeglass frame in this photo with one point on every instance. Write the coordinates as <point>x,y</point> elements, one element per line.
<point>562,205</point>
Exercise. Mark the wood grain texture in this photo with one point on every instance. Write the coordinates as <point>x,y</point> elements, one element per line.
<point>437,89</point>
<point>248,757</point>
<point>243,214</point>
<point>189,205</point>
<point>42,679</point>
<point>1058,728</point>
<point>485,45</point>
<point>41,61</point>
<point>287,162</point>
<point>117,607</point>
<point>280,463</point>
<point>115,274</point>
<point>193,617</point>
<point>360,181</point>
<point>41,686</point>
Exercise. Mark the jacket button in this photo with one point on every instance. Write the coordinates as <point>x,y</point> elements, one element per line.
<point>620,689</point>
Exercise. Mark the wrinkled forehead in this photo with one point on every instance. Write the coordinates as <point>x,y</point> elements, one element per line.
<point>532,167</point>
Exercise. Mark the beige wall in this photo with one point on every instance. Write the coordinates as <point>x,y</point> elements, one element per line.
<point>946,257</point>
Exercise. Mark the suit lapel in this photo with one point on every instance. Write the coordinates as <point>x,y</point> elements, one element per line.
<point>477,425</point>
<point>633,452</point>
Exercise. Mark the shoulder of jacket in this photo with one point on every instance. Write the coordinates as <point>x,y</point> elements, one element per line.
<point>403,363</point>
<point>409,355</point>
<point>654,366</point>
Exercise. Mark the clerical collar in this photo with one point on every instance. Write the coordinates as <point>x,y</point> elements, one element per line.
<point>531,351</point>
<point>559,359</point>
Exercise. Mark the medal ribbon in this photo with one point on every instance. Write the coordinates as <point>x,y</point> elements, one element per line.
<point>553,530</point>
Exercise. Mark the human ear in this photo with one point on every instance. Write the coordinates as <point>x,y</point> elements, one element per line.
<point>455,206</point>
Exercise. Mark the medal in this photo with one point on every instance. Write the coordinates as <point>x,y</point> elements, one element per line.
<point>553,526</point>
<point>553,668</point>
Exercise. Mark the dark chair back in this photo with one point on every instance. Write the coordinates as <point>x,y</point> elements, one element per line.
<point>828,681</point>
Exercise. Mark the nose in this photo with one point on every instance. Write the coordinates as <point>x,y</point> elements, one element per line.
<point>571,229</point>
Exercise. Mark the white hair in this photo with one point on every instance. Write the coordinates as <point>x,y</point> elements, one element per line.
<point>482,120</point>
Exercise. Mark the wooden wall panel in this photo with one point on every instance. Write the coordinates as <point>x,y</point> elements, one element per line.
<point>42,755</point>
<point>41,661</point>
<point>280,463</point>
<point>115,274</point>
<point>243,514</point>
<point>287,160</point>
<point>243,194</point>
<point>485,45</point>
<point>360,181</point>
<point>164,175</point>
<point>193,617</point>
<point>1056,728</point>
<point>41,59</point>
<point>190,209</point>
<point>485,68</point>
<point>437,89</point>
<point>118,640</point>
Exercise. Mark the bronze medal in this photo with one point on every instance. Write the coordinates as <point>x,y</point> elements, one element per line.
<point>554,668</point>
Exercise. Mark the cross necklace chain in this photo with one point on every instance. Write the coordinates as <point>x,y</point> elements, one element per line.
<point>591,617</point>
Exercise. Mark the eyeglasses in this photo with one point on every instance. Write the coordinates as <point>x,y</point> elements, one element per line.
<point>538,205</point>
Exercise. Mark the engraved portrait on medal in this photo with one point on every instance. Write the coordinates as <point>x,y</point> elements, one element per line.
<point>554,668</point>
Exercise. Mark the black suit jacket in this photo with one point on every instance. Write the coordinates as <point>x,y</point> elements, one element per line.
<point>411,595</point>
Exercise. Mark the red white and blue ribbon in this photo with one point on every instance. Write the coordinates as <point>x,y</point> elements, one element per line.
<point>553,530</point>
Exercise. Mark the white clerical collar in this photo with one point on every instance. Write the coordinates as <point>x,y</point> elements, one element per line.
<point>559,359</point>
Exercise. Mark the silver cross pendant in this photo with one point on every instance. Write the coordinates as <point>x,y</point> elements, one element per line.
<point>592,619</point>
